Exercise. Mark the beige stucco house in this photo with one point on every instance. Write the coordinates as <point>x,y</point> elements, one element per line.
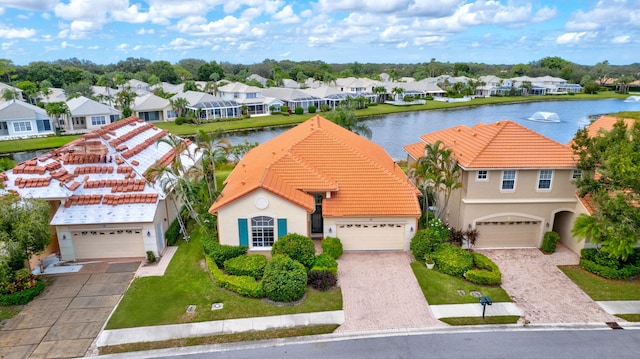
<point>318,179</point>
<point>516,184</point>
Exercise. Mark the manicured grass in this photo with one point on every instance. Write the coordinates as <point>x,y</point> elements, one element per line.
<point>441,288</point>
<point>504,319</point>
<point>32,144</point>
<point>226,338</point>
<point>599,288</point>
<point>9,311</point>
<point>164,300</point>
<point>629,317</point>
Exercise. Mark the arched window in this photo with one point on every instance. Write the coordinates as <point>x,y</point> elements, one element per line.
<point>262,231</point>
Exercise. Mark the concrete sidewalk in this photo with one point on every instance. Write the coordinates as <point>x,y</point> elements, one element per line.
<point>202,329</point>
<point>474,310</point>
<point>620,306</point>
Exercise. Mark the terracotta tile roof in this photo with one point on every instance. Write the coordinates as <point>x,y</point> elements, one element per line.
<point>587,202</point>
<point>605,123</point>
<point>320,156</point>
<point>415,150</point>
<point>503,144</point>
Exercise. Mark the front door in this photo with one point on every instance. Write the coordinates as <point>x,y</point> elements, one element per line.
<point>316,217</point>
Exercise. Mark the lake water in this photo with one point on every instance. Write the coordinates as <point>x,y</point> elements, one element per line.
<point>394,131</point>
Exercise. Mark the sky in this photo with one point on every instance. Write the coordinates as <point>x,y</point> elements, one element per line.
<point>334,31</point>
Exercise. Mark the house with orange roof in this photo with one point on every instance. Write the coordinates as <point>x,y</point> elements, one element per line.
<point>516,184</point>
<point>102,205</point>
<point>318,179</point>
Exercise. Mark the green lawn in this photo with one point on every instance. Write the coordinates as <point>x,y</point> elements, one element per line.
<point>164,300</point>
<point>9,311</point>
<point>33,144</point>
<point>504,319</point>
<point>599,288</point>
<point>441,288</point>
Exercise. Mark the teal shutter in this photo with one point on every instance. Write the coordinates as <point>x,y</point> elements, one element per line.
<point>243,232</point>
<point>282,227</point>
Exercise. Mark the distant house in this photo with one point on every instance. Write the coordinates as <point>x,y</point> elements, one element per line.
<point>249,96</point>
<point>516,184</point>
<point>87,115</point>
<point>19,119</point>
<point>318,179</point>
<point>209,107</point>
<point>150,108</point>
<point>293,98</point>
<point>102,205</point>
<point>17,93</point>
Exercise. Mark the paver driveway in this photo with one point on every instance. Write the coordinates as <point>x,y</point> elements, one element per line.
<point>66,318</point>
<point>379,291</point>
<point>541,290</point>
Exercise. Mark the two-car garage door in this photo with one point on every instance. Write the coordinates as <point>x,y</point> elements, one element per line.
<point>371,236</point>
<point>108,243</point>
<point>508,234</point>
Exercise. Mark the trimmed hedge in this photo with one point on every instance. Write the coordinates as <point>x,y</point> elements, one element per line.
<point>332,246</point>
<point>173,233</point>
<point>285,279</point>
<point>487,272</point>
<point>549,242</point>
<point>452,260</point>
<point>251,265</point>
<point>322,280</point>
<point>296,247</point>
<point>23,297</point>
<point>243,285</point>
<point>600,263</point>
<point>299,110</point>
<point>221,252</point>
<point>325,262</point>
<point>311,109</point>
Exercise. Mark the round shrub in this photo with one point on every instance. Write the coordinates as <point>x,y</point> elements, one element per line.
<point>297,247</point>
<point>427,241</point>
<point>322,279</point>
<point>311,109</point>
<point>486,272</point>
<point>549,242</point>
<point>332,246</point>
<point>251,265</point>
<point>299,110</point>
<point>325,261</point>
<point>284,280</point>
<point>452,260</point>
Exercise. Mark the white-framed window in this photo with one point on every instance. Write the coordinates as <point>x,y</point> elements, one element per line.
<point>22,126</point>
<point>482,175</point>
<point>262,231</point>
<point>576,174</point>
<point>508,180</point>
<point>171,114</point>
<point>98,120</point>
<point>544,179</point>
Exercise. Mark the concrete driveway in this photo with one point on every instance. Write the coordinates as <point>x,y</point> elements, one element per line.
<point>541,290</point>
<point>379,292</point>
<point>66,318</point>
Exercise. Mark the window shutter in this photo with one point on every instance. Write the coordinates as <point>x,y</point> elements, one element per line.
<point>282,227</point>
<point>243,232</point>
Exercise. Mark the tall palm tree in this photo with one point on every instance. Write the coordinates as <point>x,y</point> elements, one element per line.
<point>57,109</point>
<point>345,116</point>
<point>214,151</point>
<point>397,91</point>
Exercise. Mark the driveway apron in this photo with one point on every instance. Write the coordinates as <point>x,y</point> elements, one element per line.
<point>379,292</point>
<point>541,290</point>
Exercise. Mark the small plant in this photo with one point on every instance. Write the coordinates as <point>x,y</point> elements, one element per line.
<point>151,258</point>
<point>549,242</point>
<point>332,246</point>
<point>428,260</point>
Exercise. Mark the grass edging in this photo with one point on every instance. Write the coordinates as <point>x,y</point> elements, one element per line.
<point>500,319</point>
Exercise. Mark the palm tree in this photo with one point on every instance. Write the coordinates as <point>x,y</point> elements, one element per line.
<point>587,227</point>
<point>214,152</point>
<point>379,91</point>
<point>124,99</point>
<point>397,91</point>
<point>179,105</point>
<point>345,116</point>
<point>57,109</point>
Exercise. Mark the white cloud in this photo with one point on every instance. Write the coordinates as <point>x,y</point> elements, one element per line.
<point>197,26</point>
<point>286,16</point>
<point>122,47</point>
<point>38,5</point>
<point>306,13</point>
<point>246,46</point>
<point>10,45</point>
<point>11,33</point>
<point>144,31</point>
<point>375,6</point>
<point>544,14</point>
<point>137,47</point>
<point>570,38</point>
<point>402,45</point>
<point>46,15</point>
<point>94,47</point>
<point>23,17</point>
<point>623,39</point>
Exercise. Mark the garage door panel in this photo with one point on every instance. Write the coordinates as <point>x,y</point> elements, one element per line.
<point>371,236</point>
<point>108,243</point>
<point>508,234</point>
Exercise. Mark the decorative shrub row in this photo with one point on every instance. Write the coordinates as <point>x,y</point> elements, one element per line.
<point>322,279</point>
<point>626,272</point>
<point>332,246</point>
<point>325,262</point>
<point>22,297</point>
<point>243,285</point>
<point>173,233</point>
<point>297,247</point>
<point>549,242</point>
<point>221,252</point>
<point>452,260</point>
<point>251,265</point>
<point>285,279</point>
<point>486,272</point>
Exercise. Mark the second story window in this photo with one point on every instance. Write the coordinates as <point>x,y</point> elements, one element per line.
<point>544,179</point>
<point>576,174</point>
<point>482,175</point>
<point>508,180</point>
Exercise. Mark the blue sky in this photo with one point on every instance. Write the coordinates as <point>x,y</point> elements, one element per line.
<point>335,31</point>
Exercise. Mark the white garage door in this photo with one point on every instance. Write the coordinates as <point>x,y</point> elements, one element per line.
<point>108,243</point>
<point>371,236</point>
<point>508,234</point>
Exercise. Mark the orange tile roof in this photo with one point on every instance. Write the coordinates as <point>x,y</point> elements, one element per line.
<point>503,144</point>
<point>415,150</point>
<point>605,123</point>
<point>320,156</point>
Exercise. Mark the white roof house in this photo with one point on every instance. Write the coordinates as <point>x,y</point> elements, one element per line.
<point>87,115</point>
<point>19,119</point>
<point>150,107</point>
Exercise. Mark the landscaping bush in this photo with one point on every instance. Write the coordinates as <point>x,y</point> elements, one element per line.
<point>299,110</point>
<point>24,296</point>
<point>311,109</point>
<point>285,279</point>
<point>297,247</point>
<point>550,241</point>
<point>485,272</point>
<point>243,285</point>
<point>221,252</point>
<point>322,279</point>
<point>173,233</point>
<point>19,287</point>
<point>600,263</point>
<point>325,261</point>
<point>452,260</point>
<point>332,246</point>
<point>151,258</point>
<point>325,108</point>
<point>284,109</point>
<point>251,265</point>
<point>427,241</point>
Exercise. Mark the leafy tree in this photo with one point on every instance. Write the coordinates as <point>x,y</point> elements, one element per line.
<point>55,110</point>
<point>610,162</point>
<point>192,65</point>
<point>591,87</point>
<point>554,63</point>
<point>179,105</point>
<point>190,85</point>
<point>9,95</point>
<point>6,69</point>
<point>206,70</point>
<point>124,99</point>
<point>346,117</point>
<point>78,89</point>
<point>164,70</point>
<point>183,73</point>
<point>30,89</point>
<point>520,69</point>
<point>238,151</point>
<point>460,68</point>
